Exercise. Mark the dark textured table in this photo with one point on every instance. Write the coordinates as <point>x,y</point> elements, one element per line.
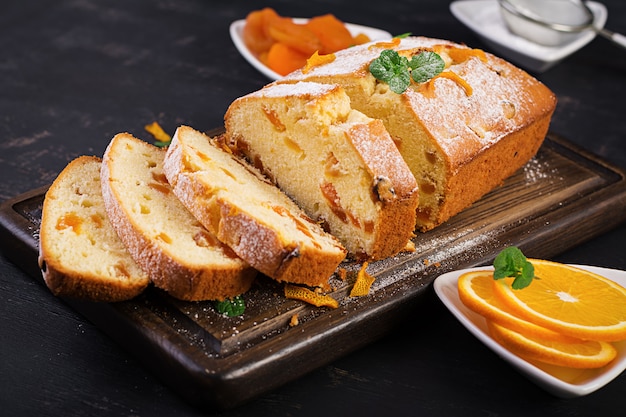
<point>74,73</point>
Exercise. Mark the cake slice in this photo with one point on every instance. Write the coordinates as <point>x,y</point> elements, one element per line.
<point>248,213</point>
<point>461,133</point>
<point>178,253</point>
<point>339,165</point>
<point>80,255</point>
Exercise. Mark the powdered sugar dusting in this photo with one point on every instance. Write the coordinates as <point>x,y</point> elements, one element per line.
<point>500,99</point>
<point>536,170</point>
<point>465,123</point>
<point>357,58</point>
<point>378,149</point>
<point>303,88</point>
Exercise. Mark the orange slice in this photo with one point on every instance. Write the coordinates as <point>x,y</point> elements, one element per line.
<point>582,354</point>
<point>569,300</point>
<point>476,293</point>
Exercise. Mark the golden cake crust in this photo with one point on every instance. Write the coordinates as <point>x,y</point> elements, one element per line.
<point>163,237</point>
<point>80,254</point>
<point>481,113</point>
<point>339,165</point>
<point>248,213</point>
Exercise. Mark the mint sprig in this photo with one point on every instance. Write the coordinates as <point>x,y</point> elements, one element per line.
<point>511,262</point>
<point>162,143</point>
<point>231,307</point>
<point>397,71</point>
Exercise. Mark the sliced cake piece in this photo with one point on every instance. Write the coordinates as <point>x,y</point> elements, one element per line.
<point>248,213</point>
<point>180,255</point>
<point>80,254</point>
<point>339,165</point>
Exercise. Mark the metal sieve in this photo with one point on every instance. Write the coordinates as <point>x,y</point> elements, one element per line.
<point>534,19</point>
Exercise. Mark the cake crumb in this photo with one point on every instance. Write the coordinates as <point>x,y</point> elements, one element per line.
<point>342,274</point>
<point>409,247</point>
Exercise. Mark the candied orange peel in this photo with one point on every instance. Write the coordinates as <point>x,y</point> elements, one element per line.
<point>387,44</point>
<point>458,55</point>
<point>451,75</point>
<point>462,54</point>
<point>363,282</point>
<point>297,292</point>
<point>317,60</point>
<point>157,131</point>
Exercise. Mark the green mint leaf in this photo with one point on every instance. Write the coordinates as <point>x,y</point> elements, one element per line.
<point>392,69</point>
<point>524,279</point>
<point>231,307</point>
<point>403,35</point>
<point>397,71</point>
<point>425,66</point>
<point>162,144</point>
<point>511,262</point>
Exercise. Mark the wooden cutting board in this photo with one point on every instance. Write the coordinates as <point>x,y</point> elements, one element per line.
<point>562,197</point>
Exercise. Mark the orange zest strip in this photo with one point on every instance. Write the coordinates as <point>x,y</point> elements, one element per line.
<point>304,294</point>
<point>458,55</point>
<point>461,54</point>
<point>157,131</point>
<point>317,60</point>
<point>386,44</point>
<point>363,282</point>
<point>457,79</point>
<point>361,38</point>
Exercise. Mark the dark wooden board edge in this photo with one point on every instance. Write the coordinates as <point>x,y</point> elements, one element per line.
<point>226,382</point>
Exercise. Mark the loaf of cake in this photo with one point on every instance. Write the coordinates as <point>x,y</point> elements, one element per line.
<point>339,165</point>
<point>461,133</point>
<point>180,255</point>
<point>247,212</point>
<point>80,254</point>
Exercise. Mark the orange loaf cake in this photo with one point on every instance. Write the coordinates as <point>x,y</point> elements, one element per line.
<point>164,238</point>
<point>247,212</point>
<point>80,255</point>
<point>339,165</point>
<point>461,133</point>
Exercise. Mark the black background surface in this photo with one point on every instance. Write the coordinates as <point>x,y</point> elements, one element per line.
<point>74,73</point>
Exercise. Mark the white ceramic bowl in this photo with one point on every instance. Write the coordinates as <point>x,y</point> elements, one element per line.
<point>236,34</point>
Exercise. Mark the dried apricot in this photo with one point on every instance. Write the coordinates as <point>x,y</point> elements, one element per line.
<point>298,37</point>
<point>331,32</point>
<point>283,59</point>
<point>256,30</point>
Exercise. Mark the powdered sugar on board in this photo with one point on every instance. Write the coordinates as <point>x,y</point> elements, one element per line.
<point>439,253</point>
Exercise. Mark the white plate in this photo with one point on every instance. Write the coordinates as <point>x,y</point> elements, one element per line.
<point>485,19</point>
<point>236,34</point>
<point>562,382</point>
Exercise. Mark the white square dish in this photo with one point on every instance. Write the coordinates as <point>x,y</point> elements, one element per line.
<point>561,382</point>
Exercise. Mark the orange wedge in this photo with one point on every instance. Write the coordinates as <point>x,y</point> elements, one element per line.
<point>476,293</point>
<point>581,354</point>
<point>569,300</point>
